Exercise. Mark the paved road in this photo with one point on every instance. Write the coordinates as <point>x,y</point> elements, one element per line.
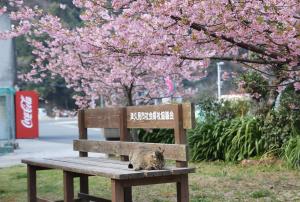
<point>56,138</point>
<point>64,131</point>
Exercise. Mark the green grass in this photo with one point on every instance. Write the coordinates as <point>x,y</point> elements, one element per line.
<point>216,181</point>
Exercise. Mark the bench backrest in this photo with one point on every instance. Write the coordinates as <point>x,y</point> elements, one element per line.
<point>176,116</point>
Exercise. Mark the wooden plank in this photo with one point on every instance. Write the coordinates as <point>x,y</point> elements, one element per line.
<point>68,187</point>
<point>115,164</point>
<point>128,194</point>
<point>77,165</point>
<point>102,118</point>
<point>82,130</point>
<point>117,191</point>
<point>171,151</point>
<point>85,169</point>
<point>31,183</point>
<point>151,116</point>
<point>38,199</point>
<point>92,198</point>
<point>84,184</point>
<point>121,169</point>
<point>143,116</point>
<point>180,136</point>
<point>152,180</point>
<point>183,189</point>
<point>124,132</point>
<point>188,110</point>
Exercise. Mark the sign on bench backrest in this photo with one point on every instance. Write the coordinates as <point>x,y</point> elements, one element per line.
<point>160,116</point>
<point>176,116</point>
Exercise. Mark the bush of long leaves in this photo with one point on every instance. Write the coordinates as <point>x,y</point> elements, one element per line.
<point>229,139</point>
<point>291,152</point>
<point>227,133</point>
<point>242,139</point>
<point>203,140</point>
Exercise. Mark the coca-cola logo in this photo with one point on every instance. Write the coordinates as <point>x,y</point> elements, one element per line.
<point>26,106</point>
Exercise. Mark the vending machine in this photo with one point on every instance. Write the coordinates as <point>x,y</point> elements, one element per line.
<point>26,105</point>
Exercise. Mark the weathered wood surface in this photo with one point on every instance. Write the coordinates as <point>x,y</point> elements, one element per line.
<point>171,151</point>
<point>143,116</point>
<point>179,133</point>
<point>68,186</point>
<point>31,183</point>
<point>188,110</point>
<point>102,118</point>
<point>114,169</point>
<point>82,130</point>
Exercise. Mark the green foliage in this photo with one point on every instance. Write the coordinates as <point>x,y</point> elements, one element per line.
<point>156,136</point>
<point>203,140</point>
<point>242,139</point>
<point>260,193</point>
<point>291,152</point>
<point>70,15</point>
<point>230,140</point>
<point>213,109</point>
<point>277,128</point>
<point>290,99</point>
<point>254,82</point>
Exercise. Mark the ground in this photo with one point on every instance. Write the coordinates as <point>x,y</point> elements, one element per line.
<point>216,181</point>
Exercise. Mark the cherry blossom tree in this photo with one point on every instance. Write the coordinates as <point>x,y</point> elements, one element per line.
<point>168,37</point>
<point>90,65</point>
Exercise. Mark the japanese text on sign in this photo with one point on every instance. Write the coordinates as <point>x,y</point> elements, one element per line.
<point>152,116</point>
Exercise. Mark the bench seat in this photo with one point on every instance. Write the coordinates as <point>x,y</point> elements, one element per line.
<point>114,169</point>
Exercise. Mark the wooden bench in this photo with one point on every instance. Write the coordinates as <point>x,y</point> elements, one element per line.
<point>176,116</point>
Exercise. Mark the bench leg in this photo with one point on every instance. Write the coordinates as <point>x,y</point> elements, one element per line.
<point>68,187</point>
<point>183,189</point>
<point>117,191</point>
<point>128,194</point>
<point>84,184</point>
<point>31,184</point>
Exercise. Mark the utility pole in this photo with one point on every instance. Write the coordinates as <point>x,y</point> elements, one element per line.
<point>7,82</point>
<point>219,82</point>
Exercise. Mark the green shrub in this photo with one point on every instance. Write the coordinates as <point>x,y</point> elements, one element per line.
<point>156,136</point>
<point>213,109</point>
<point>292,152</point>
<point>230,140</point>
<point>203,140</point>
<point>242,139</point>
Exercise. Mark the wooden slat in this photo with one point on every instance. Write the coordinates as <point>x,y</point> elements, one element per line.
<point>118,168</point>
<point>180,135</point>
<point>149,181</point>
<point>85,169</point>
<point>122,165</point>
<point>124,132</point>
<point>171,151</point>
<point>188,110</point>
<point>102,167</point>
<point>38,199</point>
<point>102,118</point>
<point>82,130</point>
<point>92,198</point>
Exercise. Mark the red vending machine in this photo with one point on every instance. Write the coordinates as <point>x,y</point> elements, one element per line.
<point>27,103</point>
